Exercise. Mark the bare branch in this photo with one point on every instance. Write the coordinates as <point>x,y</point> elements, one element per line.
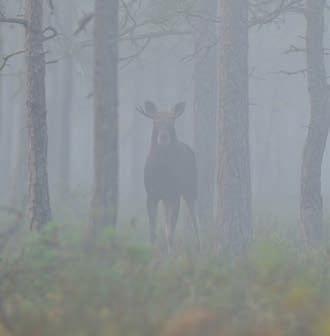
<point>16,20</point>
<point>51,5</point>
<point>293,49</point>
<point>55,61</point>
<point>146,36</point>
<point>83,22</point>
<point>154,35</point>
<point>293,73</point>
<point>53,33</point>
<point>261,16</point>
<point>6,58</point>
<point>129,59</point>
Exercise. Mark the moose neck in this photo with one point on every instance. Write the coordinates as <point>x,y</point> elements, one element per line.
<point>154,141</point>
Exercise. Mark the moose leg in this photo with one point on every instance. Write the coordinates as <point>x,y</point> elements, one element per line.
<point>174,219</point>
<point>152,206</point>
<point>171,218</point>
<point>193,218</point>
<point>168,208</point>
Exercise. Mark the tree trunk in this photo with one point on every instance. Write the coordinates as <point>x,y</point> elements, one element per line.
<point>38,193</point>
<point>311,203</point>
<point>205,107</point>
<point>19,177</point>
<point>1,86</point>
<point>234,181</point>
<point>139,138</point>
<point>7,144</point>
<point>68,87</point>
<point>106,156</point>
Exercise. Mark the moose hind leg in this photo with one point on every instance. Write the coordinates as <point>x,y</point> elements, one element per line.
<point>175,207</point>
<point>152,206</point>
<point>192,215</point>
<point>171,217</point>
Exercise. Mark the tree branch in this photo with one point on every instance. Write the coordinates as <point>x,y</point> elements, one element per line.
<point>293,73</point>
<point>293,49</point>
<point>53,33</point>
<point>260,16</point>
<point>129,59</point>
<point>19,21</point>
<point>83,22</point>
<point>6,58</point>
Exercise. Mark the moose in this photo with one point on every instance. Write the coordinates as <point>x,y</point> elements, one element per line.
<point>170,172</point>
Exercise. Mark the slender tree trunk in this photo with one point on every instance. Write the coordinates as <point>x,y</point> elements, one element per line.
<point>234,182</point>
<point>1,87</point>
<point>205,107</point>
<point>106,156</point>
<point>139,136</point>
<point>6,127</point>
<point>19,177</point>
<point>311,203</point>
<point>54,114</point>
<point>7,144</point>
<point>38,193</point>
<point>68,88</point>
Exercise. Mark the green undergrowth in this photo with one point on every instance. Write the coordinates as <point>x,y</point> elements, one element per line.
<point>122,287</point>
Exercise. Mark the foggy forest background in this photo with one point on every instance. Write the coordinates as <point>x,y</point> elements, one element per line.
<point>254,77</point>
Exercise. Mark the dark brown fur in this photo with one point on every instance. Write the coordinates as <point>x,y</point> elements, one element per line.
<point>170,172</point>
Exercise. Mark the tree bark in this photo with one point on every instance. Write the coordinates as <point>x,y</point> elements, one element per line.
<point>19,177</point>
<point>234,181</point>
<point>311,203</point>
<point>139,138</point>
<point>1,88</point>
<point>106,154</point>
<point>7,145</point>
<point>38,191</point>
<point>205,107</point>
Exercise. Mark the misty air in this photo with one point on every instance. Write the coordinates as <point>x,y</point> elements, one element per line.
<point>164,168</point>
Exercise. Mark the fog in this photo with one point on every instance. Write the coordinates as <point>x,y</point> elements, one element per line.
<point>215,113</point>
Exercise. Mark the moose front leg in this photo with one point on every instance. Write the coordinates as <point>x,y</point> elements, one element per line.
<point>152,205</point>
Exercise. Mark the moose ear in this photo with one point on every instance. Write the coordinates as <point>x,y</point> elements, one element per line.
<point>149,110</point>
<point>179,109</point>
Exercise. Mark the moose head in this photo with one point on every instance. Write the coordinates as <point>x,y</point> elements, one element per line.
<point>163,122</point>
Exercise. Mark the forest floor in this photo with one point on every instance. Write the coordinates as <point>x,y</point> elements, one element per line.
<point>122,287</point>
